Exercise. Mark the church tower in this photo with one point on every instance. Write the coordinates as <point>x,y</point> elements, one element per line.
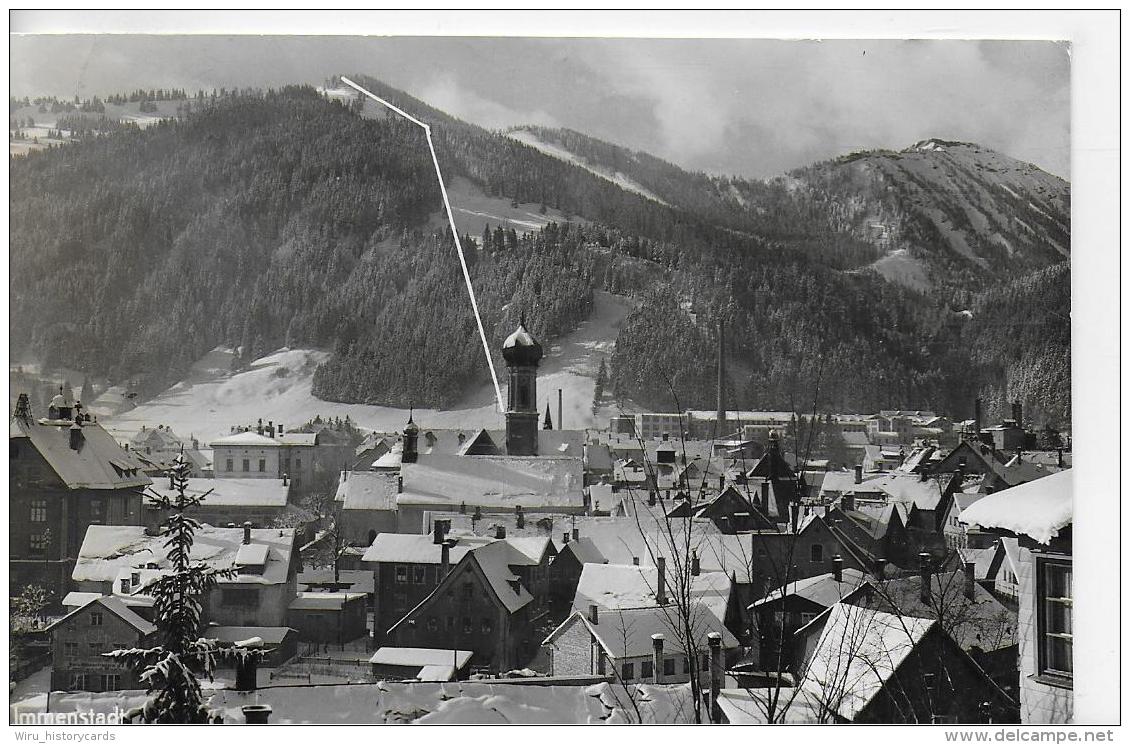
<point>522,354</point>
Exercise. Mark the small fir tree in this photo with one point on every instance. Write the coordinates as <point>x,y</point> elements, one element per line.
<point>170,670</point>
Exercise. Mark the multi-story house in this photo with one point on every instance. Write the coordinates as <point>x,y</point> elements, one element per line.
<point>66,473</point>
<point>1038,515</point>
<point>81,638</point>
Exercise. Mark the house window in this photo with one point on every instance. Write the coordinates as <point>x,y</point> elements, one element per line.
<point>669,666</point>
<point>645,669</point>
<point>486,626</point>
<point>70,649</point>
<point>39,510</point>
<point>468,591</point>
<point>78,682</point>
<point>96,618</point>
<point>37,544</point>
<point>816,553</point>
<point>419,574</point>
<point>627,671</point>
<point>96,511</point>
<point>96,647</point>
<point>246,465</point>
<point>433,623</point>
<point>449,624</point>
<point>468,626</point>
<point>1053,598</point>
<point>401,573</point>
<point>807,618</point>
<point>262,465</point>
<point>228,465</point>
<point>111,682</point>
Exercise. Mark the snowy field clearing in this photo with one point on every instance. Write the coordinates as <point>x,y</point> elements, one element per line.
<point>278,387</point>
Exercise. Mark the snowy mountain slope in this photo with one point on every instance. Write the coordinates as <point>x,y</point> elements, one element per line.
<point>625,182</point>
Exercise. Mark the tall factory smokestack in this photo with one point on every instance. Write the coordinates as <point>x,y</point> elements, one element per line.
<point>560,421</point>
<point>721,375</point>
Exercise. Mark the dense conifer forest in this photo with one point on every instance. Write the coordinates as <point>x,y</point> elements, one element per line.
<point>285,218</point>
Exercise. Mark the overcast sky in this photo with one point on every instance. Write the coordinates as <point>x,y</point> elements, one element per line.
<point>746,107</point>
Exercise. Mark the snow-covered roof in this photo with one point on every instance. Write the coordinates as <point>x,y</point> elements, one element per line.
<point>532,547</point>
<point>324,600</point>
<point>846,681</point>
<point>419,657</point>
<point>1038,509</point>
<point>115,606</point>
<point>99,463</point>
<point>252,554</point>
<point>307,439</point>
<point>616,586</point>
<point>752,705</point>
<point>367,490</point>
<point>107,549</point>
<point>233,634</point>
<point>405,548</point>
<point>463,702</point>
<point>78,599</point>
<point>822,589</point>
<point>245,439</point>
<point>234,492</point>
<point>628,633</point>
<point>533,482</point>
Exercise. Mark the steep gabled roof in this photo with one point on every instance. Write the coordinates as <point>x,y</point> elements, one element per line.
<point>847,681</point>
<point>115,606</point>
<point>627,633</point>
<point>99,463</point>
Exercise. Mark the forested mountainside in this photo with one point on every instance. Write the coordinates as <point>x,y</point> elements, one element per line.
<point>286,218</point>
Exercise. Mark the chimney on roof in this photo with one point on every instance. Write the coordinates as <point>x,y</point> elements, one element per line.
<point>714,642</point>
<point>499,532</point>
<point>661,582</point>
<point>1059,457</point>
<point>560,420</point>
<point>271,429</point>
<point>880,567</point>
<point>859,474</point>
<point>1018,413</point>
<point>259,426</point>
<point>135,578</point>
<point>650,497</point>
<point>247,533</point>
<point>594,614</point>
<point>519,517</point>
<point>285,479</point>
<point>76,437</point>
<point>444,557</point>
<point>794,515</point>
<point>847,502</point>
<point>970,580</point>
<point>576,534</point>
<point>925,572</point>
<point>695,566</point>
<point>838,568</point>
<point>565,537</point>
<point>124,586</point>
<point>765,494</point>
<point>923,475</point>
<point>721,481</point>
<point>657,658</point>
<point>437,532</point>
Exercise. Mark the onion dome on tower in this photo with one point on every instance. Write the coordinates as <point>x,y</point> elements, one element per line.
<point>521,348</point>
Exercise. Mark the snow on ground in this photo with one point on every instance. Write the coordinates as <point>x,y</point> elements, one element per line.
<point>527,137</point>
<point>473,209</point>
<point>278,388</point>
<point>900,267</point>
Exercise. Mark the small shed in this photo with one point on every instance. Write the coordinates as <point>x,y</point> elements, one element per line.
<point>416,663</point>
<point>328,617</point>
